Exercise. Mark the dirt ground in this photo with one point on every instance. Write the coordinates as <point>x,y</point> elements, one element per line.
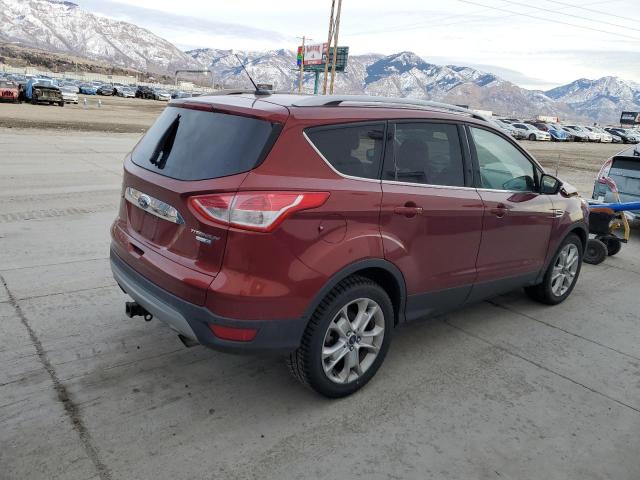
<point>116,114</point>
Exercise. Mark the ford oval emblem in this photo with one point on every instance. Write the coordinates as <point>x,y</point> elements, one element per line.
<point>144,201</point>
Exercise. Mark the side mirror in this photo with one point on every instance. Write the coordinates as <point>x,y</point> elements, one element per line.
<point>549,185</point>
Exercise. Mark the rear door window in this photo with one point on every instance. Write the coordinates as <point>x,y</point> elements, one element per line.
<point>353,150</point>
<point>426,153</point>
<point>188,144</point>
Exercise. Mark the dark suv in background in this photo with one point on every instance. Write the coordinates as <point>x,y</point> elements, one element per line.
<point>313,226</point>
<point>145,92</point>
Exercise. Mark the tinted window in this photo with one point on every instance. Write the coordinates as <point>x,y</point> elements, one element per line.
<point>427,153</point>
<point>195,145</point>
<point>502,165</point>
<point>354,150</point>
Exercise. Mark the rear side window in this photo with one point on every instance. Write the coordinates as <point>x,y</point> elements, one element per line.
<point>354,150</point>
<point>427,153</point>
<point>188,144</point>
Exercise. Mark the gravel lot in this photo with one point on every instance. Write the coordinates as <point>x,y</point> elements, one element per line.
<point>502,389</point>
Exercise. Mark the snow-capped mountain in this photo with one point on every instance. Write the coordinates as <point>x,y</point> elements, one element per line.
<point>62,26</point>
<point>601,99</point>
<point>403,74</point>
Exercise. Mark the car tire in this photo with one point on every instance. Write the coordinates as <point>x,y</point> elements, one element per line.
<point>61,104</point>
<point>613,244</point>
<point>532,137</point>
<point>358,353</point>
<point>561,275</point>
<point>596,251</point>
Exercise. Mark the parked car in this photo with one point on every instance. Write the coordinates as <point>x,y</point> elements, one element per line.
<point>531,132</point>
<point>578,134</point>
<point>126,92</point>
<point>106,90</point>
<point>507,128</point>
<point>162,95</point>
<point>88,89</point>
<point>180,94</point>
<point>556,133</point>
<point>144,92</point>
<point>9,91</point>
<point>605,137</point>
<point>627,135</point>
<point>43,90</point>
<point>314,225</point>
<point>69,94</point>
<point>624,169</point>
<point>590,136</point>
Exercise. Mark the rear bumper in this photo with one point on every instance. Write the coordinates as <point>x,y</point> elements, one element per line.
<point>191,321</point>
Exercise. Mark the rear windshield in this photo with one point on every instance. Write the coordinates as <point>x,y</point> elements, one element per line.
<point>624,164</point>
<point>188,144</point>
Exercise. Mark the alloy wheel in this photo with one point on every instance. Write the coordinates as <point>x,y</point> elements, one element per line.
<point>565,269</point>
<point>353,340</point>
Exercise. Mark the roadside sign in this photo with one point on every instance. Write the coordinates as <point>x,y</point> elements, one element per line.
<point>341,61</point>
<point>299,58</point>
<point>313,54</point>
<point>630,118</point>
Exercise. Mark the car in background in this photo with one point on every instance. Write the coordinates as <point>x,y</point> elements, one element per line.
<point>43,90</point>
<point>532,133</point>
<point>9,91</point>
<point>605,136</point>
<point>106,90</point>
<point>590,136</point>
<point>578,134</point>
<point>87,89</point>
<point>624,169</point>
<point>162,95</point>
<point>627,135</point>
<point>126,92</point>
<point>144,92</point>
<point>557,134</point>
<point>69,94</point>
<point>180,94</point>
<point>506,128</point>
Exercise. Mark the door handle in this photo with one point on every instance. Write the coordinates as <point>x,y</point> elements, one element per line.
<point>500,210</point>
<point>409,210</point>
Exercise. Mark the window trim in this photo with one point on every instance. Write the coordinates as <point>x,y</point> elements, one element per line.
<point>476,164</point>
<point>467,166</point>
<point>335,126</point>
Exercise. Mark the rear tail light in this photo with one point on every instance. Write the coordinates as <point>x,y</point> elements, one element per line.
<point>256,211</point>
<point>233,333</point>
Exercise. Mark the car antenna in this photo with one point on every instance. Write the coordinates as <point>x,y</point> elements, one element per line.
<point>258,91</point>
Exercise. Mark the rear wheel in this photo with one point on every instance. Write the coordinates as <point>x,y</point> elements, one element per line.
<point>561,275</point>
<point>595,252</point>
<point>612,243</point>
<point>346,339</point>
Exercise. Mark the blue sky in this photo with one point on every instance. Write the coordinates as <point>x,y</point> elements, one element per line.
<point>537,44</point>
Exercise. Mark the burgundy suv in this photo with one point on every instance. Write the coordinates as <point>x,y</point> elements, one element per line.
<point>313,226</point>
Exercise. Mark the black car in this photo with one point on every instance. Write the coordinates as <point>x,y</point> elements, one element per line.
<point>145,92</point>
<point>105,90</point>
<point>624,134</point>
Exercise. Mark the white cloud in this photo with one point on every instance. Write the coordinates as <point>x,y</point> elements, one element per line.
<point>539,53</point>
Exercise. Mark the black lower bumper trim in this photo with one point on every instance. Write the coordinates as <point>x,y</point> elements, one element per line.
<point>191,321</point>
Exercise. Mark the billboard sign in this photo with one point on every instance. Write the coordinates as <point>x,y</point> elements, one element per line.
<point>630,118</point>
<point>313,53</point>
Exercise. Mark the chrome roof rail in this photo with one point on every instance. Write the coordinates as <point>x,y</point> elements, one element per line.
<point>336,100</point>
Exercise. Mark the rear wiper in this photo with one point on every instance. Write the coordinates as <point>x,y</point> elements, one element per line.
<point>165,144</point>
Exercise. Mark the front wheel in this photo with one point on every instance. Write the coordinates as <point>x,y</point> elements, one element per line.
<point>532,137</point>
<point>346,339</point>
<point>561,275</point>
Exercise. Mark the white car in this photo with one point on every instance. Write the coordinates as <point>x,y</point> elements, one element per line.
<point>605,137</point>
<point>592,136</point>
<point>532,133</point>
<point>69,95</point>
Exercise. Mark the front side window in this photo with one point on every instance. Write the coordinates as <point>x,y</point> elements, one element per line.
<point>502,165</point>
<point>425,153</point>
<point>353,150</point>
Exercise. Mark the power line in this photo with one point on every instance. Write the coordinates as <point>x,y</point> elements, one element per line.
<point>551,20</point>
<point>431,23</point>
<point>572,15</point>
<point>581,7</point>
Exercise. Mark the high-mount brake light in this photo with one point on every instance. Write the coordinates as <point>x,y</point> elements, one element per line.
<point>255,211</point>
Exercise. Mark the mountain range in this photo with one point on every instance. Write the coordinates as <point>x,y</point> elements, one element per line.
<point>62,26</point>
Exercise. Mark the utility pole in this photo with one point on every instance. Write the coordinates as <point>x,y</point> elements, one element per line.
<point>326,60</point>
<point>335,47</point>
<point>301,74</point>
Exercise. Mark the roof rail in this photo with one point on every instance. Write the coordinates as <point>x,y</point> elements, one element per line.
<point>336,100</point>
